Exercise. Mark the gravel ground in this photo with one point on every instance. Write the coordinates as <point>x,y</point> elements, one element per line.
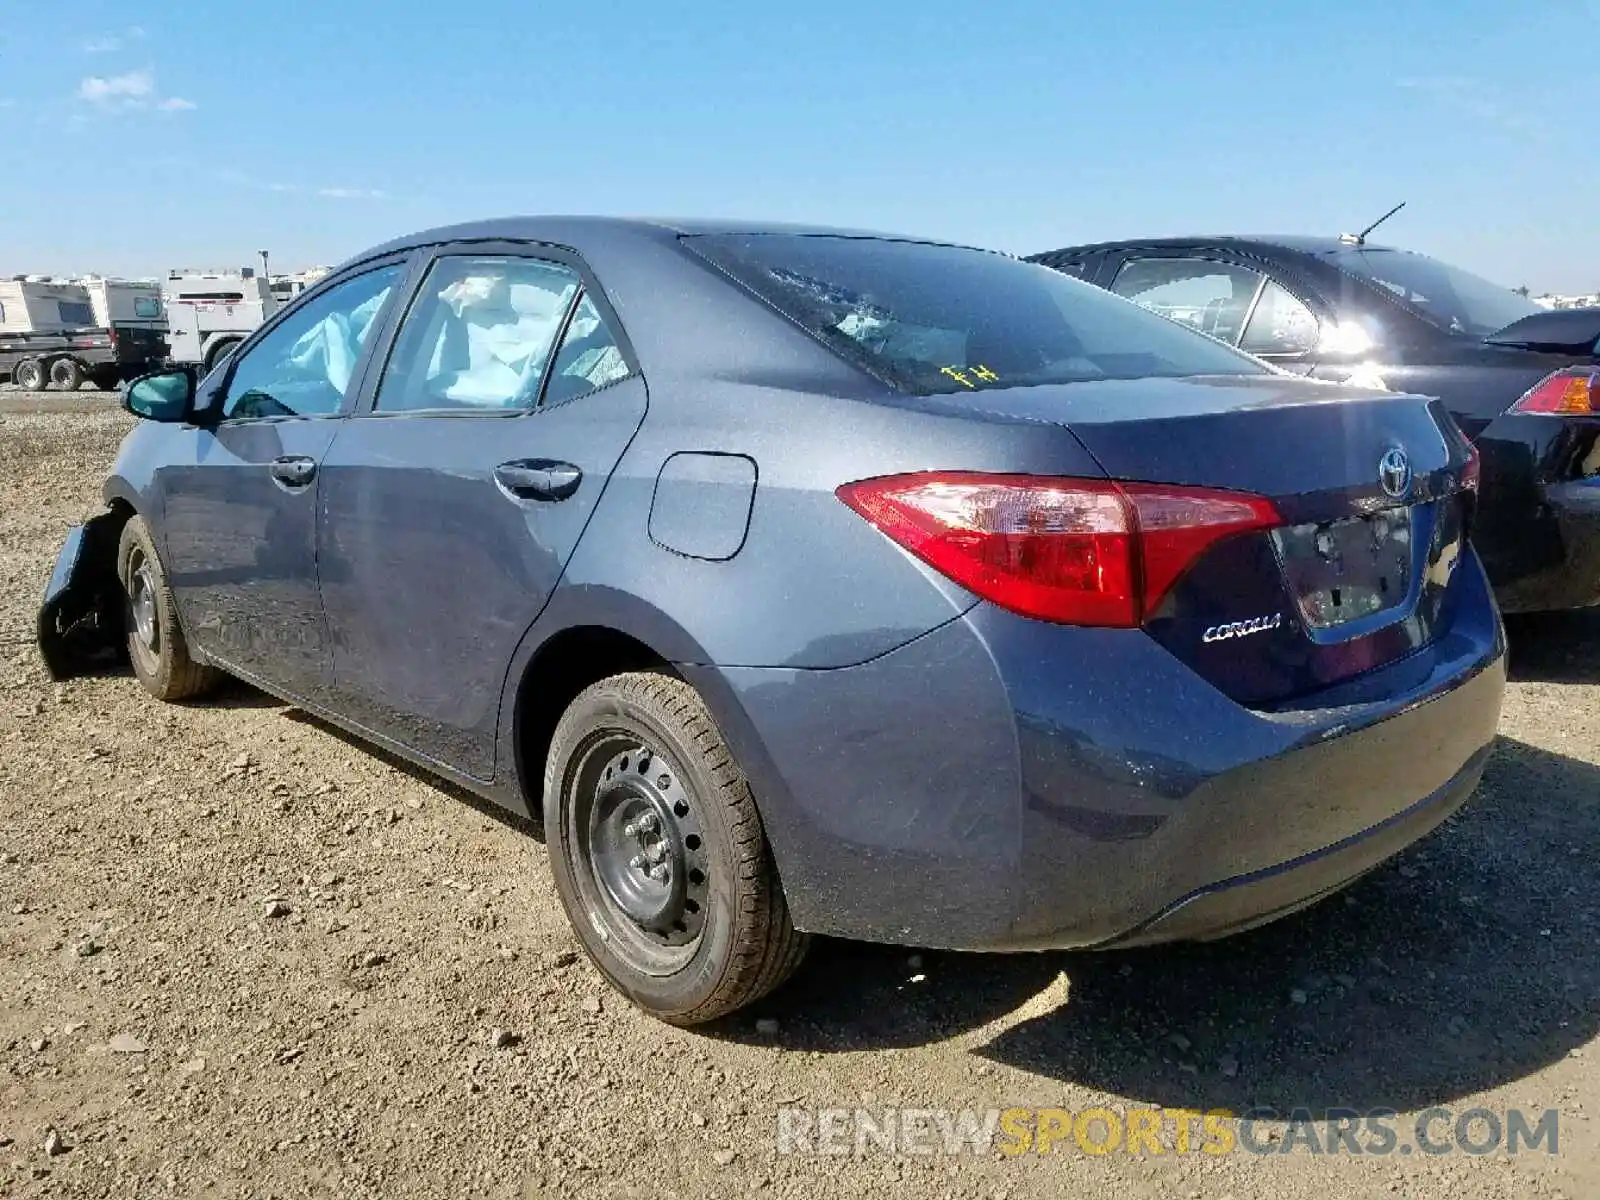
<point>241,955</point>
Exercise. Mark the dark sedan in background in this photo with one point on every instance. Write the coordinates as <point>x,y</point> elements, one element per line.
<point>1522,382</point>
<point>811,582</point>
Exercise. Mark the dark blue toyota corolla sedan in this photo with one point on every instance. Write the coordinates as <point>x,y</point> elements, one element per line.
<point>810,581</point>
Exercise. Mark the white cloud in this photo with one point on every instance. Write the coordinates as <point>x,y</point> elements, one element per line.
<point>284,187</point>
<point>133,88</point>
<point>121,93</point>
<point>111,43</point>
<point>350,193</point>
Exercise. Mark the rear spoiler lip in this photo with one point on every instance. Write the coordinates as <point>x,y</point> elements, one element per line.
<point>1560,330</point>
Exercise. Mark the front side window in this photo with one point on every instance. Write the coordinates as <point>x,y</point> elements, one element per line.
<point>478,335</point>
<point>1280,324</point>
<point>929,318</point>
<point>1212,297</point>
<point>303,366</point>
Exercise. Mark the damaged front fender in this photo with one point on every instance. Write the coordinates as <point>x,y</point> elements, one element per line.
<point>80,622</point>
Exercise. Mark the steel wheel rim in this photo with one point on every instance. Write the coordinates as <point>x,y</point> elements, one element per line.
<point>142,604</point>
<point>639,851</point>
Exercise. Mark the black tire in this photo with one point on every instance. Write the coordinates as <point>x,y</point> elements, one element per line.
<point>718,935</point>
<point>219,352</point>
<point>67,374</point>
<point>156,645</point>
<point>29,375</point>
<point>108,381</point>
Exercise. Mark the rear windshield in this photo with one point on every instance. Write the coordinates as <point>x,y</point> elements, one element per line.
<point>926,318</point>
<point>1447,297</point>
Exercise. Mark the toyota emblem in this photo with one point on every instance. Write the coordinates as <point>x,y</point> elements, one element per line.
<point>1394,473</point>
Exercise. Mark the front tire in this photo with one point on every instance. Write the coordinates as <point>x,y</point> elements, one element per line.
<point>156,645</point>
<point>659,855</point>
<point>219,352</point>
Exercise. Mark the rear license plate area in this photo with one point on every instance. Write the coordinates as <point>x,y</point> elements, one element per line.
<point>1344,570</point>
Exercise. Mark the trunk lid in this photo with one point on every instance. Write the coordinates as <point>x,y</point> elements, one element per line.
<point>1370,488</point>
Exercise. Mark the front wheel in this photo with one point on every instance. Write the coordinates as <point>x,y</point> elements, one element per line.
<point>219,352</point>
<point>156,645</point>
<point>659,855</point>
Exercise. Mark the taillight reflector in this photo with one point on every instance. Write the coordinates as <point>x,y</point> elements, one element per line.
<point>1074,551</point>
<point>1473,471</point>
<point>1574,391</point>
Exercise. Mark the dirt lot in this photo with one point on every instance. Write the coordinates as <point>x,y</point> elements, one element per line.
<point>166,1034</point>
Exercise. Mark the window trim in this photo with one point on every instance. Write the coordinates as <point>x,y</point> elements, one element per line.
<point>426,257</point>
<point>216,395</point>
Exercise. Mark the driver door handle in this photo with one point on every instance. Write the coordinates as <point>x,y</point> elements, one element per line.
<point>294,470</point>
<point>538,478</point>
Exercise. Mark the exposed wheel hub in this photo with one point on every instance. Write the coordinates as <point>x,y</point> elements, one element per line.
<point>142,603</point>
<point>645,845</point>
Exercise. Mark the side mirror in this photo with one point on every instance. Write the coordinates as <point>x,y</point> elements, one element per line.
<point>165,396</point>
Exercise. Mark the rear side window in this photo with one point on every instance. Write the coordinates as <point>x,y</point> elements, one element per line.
<point>928,319</point>
<point>1212,297</point>
<point>1280,324</point>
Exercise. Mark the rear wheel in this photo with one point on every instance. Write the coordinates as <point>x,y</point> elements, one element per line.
<point>29,375</point>
<point>156,646</point>
<point>659,855</point>
<point>67,374</point>
<point>108,381</point>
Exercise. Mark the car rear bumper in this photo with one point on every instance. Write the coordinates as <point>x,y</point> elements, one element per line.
<point>1005,784</point>
<point>1572,511</point>
<point>1538,525</point>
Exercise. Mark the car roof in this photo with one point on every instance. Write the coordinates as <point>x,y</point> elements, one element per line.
<point>1296,243</point>
<point>578,231</point>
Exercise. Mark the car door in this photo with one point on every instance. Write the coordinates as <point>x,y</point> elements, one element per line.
<point>239,494</point>
<point>455,495</point>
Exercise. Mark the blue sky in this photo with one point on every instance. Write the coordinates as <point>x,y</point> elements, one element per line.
<point>209,130</point>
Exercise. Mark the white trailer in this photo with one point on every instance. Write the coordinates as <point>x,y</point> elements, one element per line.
<point>50,335</point>
<point>129,303</point>
<point>44,306</point>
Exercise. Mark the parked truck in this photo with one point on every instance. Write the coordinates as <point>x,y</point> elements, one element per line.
<point>56,333</point>
<point>209,312</point>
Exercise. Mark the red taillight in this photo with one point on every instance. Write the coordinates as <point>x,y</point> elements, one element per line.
<point>1574,391</point>
<point>1075,551</point>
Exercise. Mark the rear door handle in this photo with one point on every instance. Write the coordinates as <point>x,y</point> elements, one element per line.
<point>294,470</point>
<point>538,478</point>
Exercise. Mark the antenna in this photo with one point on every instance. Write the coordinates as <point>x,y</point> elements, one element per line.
<point>1360,239</point>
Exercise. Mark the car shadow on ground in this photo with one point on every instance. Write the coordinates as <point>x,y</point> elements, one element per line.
<point>420,775</point>
<point>1464,964</point>
<point>1555,647</point>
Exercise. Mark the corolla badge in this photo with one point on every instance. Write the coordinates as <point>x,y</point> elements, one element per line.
<point>1239,629</point>
<point>1394,472</point>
